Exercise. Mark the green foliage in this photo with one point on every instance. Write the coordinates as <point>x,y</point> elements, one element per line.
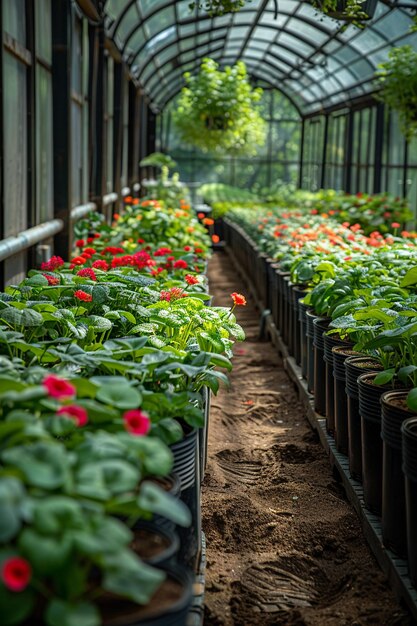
<point>218,7</point>
<point>397,79</point>
<point>351,11</point>
<point>217,110</point>
<point>158,159</point>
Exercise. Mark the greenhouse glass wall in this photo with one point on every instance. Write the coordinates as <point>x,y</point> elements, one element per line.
<point>178,176</point>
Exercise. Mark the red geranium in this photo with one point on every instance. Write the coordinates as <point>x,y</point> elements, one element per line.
<point>87,272</point>
<point>58,387</point>
<point>16,573</point>
<point>238,299</point>
<point>80,243</point>
<point>53,264</point>
<point>191,280</point>
<point>78,413</point>
<point>180,264</point>
<point>52,280</point>
<point>137,422</point>
<point>101,265</point>
<point>82,295</point>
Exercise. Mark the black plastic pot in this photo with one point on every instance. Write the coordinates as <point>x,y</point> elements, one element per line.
<point>166,543</point>
<point>330,342</point>
<point>203,433</point>
<point>273,291</point>
<point>370,412</point>
<point>172,485</point>
<point>320,326</point>
<point>287,322</point>
<point>186,466</point>
<point>281,284</point>
<point>297,292</point>
<point>340,354</point>
<point>310,317</point>
<point>409,448</point>
<point>354,367</point>
<point>302,310</point>
<point>393,490</point>
<point>156,613</point>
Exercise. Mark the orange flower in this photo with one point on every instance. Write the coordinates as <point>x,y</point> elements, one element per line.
<point>215,238</point>
<point>208,221</point>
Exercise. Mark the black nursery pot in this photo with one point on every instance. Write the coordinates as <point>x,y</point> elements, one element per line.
<point>354,367</point>
<point>302,310</point>
<point>287,328</point>
<point>297,292</point>
<point>186,466</point>
<point>310,317</point>
<point>394,413</point>
<point>155,545</point>
<point>409,448</point>
<point>340,353</point>
<point>171,484</point>
<point>370,412</point>
<point>330,342</point>
<point>281,293</point>
<point>169,606</point>
<point>320,326</point>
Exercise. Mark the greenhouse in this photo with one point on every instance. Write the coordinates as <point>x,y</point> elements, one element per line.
<point>208,313</point>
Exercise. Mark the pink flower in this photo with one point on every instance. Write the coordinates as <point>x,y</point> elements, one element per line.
<point>78,413</point>
<point>396,225</point>
<point>58,387</point>
<point>137,422</point>
<point>16,573</point>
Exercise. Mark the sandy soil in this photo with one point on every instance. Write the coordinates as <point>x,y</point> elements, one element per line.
<point>284,547</point>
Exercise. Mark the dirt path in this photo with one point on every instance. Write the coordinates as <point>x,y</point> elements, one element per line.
<point>284,547</point>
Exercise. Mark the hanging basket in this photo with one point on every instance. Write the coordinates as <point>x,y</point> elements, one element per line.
<point>341,12</point>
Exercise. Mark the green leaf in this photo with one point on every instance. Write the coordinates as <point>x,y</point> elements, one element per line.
<point>122,396</point>
<point>37,280</point>
<point>46,554</point>
<point>384,377</point>
<point>60,613</point>
<point>410,278</point>
<point>44,464</point>
<point>154,499</point>
<point>412,400</point>
<point>126,575</point>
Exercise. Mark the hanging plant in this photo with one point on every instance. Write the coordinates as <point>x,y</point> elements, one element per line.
<point>397,78</point>
<point>356,12</point>
<point>218,7</point>
<point>217,110</point>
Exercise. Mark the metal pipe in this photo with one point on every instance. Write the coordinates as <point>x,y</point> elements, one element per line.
<point>82,210</point>
<point>110,198</point>
<point>28,238</point>
<point>125,191</point>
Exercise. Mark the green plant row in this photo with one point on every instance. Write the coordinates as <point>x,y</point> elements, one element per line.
<point>367,285</point>
<point>103,360</point>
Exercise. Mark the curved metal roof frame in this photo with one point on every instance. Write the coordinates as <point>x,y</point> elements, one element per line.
<point>308,57</point>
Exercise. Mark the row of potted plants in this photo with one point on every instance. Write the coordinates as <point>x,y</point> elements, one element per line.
<point>345,304</point>
<point>104,361</point>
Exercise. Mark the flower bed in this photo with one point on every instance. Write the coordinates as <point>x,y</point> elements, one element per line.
<point>103,363</point>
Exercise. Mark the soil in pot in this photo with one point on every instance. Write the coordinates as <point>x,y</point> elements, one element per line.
<point>154,545</point>
<point>169,605</point>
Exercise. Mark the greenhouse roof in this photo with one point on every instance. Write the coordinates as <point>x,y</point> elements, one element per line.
<point>286,43</point>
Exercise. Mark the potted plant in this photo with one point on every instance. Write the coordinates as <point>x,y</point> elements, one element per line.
<point>355,12</point>
<point>217,110</point>
<point>397,79</point>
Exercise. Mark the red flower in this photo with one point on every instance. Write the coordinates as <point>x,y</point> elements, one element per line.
<point>201,216</point>
<point>101,265</point>
<point>180,264</point>
<point>16,573</point>
<point>165,295</point>
<point>52,280</point>
<point>191,280</point>
<point>396,225</point>
<point>198,250</point>
<point>78,260</point>
<point>238,299</point>
<point>87,272</point>
<point>112,250</point>
<point>90,251</point>
<point>215,238</point>
<point>175,293</point>
<point>157,271</point>
<point>96,236</point>
<point>82,295</point>
<point>53,263</point>
<point>58,387</point>
<point>137,422</point>
<point>187,248</point>
<point>162,252</point>
<point>80,243</point>
<point>90,239</point>
<point>141,240</point>
<point>77,412</point>
<point>116,216</point>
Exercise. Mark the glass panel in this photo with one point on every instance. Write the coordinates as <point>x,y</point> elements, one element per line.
<point>148,6</point>
<point>14,22</point>
<point>159,22</point>
<point>77,57</point>
<point>115,7</point>
<point>15,146</point>
<point>44,29</point>
<point>44,145</point>
<point>110,113</point>
<point>128,22</point>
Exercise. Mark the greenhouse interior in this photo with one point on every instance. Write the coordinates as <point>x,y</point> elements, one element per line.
<point>208,313</point>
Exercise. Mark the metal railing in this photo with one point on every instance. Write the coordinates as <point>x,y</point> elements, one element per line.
<point>28,238</point>
<point>78,212</point>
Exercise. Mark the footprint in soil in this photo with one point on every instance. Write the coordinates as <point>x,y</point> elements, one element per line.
<point>236,469</point>
<point>295,455</point>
